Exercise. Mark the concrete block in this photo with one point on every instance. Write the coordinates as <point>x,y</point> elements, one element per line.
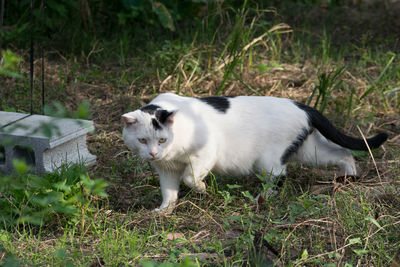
<point>29,139</point>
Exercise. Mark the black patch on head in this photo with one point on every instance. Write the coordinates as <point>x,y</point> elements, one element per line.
<point>162,115</point>
<point>156,124</point>
<point>220,103</point>
<point>151,109</point>
<point>294,147</point>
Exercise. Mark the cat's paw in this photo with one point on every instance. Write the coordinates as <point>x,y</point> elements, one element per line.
<point>164,210</point>
<point>200,187</point>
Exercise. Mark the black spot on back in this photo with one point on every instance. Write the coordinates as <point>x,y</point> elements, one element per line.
<point>220,103</point>
<point>295,145</point>
<point>151,109</point>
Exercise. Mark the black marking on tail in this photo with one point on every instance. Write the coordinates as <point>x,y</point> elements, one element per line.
<point>325,127</point>
<point>220,103</point>
<point>295,145</point>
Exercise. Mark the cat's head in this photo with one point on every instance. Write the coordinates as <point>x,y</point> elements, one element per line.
<point>149,131</point>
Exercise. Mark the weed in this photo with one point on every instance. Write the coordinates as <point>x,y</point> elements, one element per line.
<point>28,198</point>
<point>327,84</point>
<point>120,54</point>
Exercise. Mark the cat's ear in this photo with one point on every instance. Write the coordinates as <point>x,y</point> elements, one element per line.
<point>128,120</point>
<point>166,117</point>
<point>171,115</point>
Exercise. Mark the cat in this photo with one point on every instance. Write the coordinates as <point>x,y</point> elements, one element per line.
<point>185,138</point>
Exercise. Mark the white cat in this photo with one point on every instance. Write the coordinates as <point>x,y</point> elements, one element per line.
<point>185,138</point>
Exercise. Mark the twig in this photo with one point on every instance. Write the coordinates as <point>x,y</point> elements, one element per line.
<point>370,152</point>
<point>92,52</point>
<point>205,212</point>
<point>365,245</point>
<point>345,246</point>
<point>324,220</point>
<point>122,153</point>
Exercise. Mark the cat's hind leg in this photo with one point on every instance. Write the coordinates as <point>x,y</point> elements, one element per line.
<point>193,178</point>
<point>273,172</point>
<point>317,150</point>
<point>195,171</point>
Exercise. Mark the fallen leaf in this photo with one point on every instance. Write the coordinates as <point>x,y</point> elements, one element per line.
<point>174,236</point>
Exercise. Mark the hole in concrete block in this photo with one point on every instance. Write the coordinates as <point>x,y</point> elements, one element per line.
<point>2,155</point>
<point>25,153</point>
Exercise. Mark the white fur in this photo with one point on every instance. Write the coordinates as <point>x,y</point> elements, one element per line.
<point>251,136</point>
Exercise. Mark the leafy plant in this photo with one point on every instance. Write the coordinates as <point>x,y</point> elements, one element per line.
<point>9,64</point>
<point>327,83</point>
<point>28,198</point>
<point>186,262</point>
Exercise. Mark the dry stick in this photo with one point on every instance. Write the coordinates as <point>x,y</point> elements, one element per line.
<point>92,52</point>
<point>334,224</point>
<point>343,251</point>
<point>208,215</point>
<point>324,220</point>
<point>365,245</point>
<point>345,246</point>
<point>191,75</point>
<point>165,81</point>
<point>370,152</point>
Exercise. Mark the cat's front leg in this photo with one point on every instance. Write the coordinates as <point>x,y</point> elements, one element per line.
<point>169,190</point>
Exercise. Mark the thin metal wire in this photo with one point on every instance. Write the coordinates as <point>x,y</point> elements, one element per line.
<point>12,122</point>
<point>31,60</point>
<point>42,55</point>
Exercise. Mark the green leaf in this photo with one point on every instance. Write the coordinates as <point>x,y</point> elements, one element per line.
<point>20,166</point>
<point>83,111</point>
<point>11,261</point>
<point>356,240</point>
<point>233,186</point>
<point>60,254</point>
<point>164,16</point>
<point>9,64</point>
<point>360,252</point>
<point>373,221</point>
<point>248,195</point>
<point>304,255</point>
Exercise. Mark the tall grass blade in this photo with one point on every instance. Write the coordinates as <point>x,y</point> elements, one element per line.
<point>381,75</point>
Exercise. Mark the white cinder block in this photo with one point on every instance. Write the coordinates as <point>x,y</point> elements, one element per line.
<point>28,139</point>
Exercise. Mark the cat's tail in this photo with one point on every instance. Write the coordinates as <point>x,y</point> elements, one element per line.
<point>325,127</point>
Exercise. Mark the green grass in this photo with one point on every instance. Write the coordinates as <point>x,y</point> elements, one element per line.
<point>316,218</point>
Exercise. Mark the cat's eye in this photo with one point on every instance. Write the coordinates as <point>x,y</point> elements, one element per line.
<point>142,140</point>
<point>162,140</point>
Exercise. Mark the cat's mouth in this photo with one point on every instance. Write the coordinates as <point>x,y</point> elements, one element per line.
<point>154,159</point>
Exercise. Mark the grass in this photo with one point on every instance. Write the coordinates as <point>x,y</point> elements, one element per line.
<point>317,218</point>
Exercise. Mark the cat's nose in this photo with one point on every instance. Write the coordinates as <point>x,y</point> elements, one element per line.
<point>153,154</point>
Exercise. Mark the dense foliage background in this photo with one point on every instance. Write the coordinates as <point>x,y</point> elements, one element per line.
<point>104,58</point>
